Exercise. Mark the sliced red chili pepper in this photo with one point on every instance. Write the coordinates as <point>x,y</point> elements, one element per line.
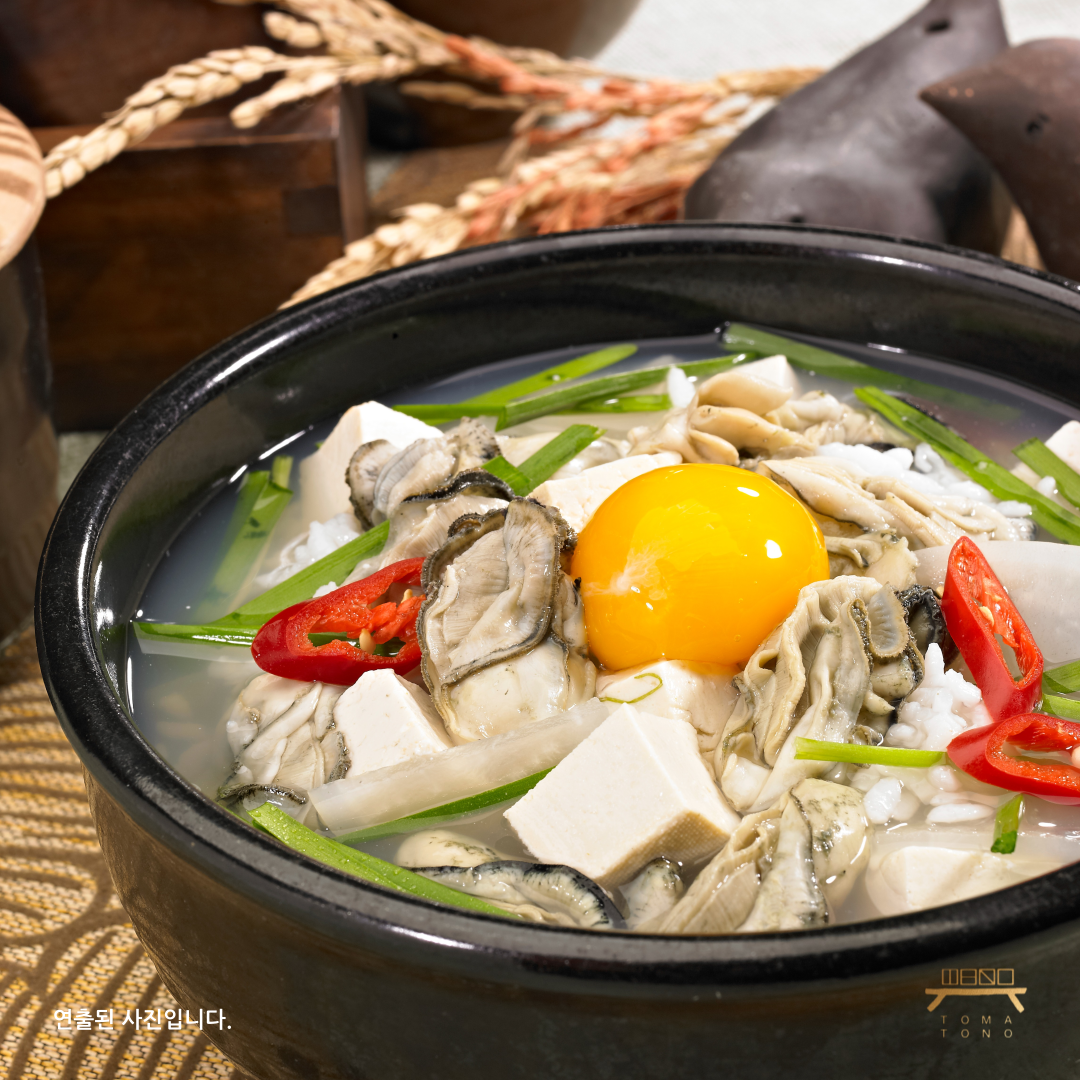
<point>982,753</point>
<point>283,647</point>
<point>976,607</point>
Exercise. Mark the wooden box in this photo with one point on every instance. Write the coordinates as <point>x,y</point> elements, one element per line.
<point>186,238</point>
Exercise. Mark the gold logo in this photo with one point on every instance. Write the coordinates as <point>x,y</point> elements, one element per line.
<point>976,982</point>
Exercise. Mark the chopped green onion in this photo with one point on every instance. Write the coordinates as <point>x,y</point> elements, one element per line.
<point>640,697</point>
<point>547,461</point>
<point>451,811</point>
<point>1006,825</point>
<point>1064,679</point>
<point>202,634</point>
<point>834,366</point>
<point>259,503</point>
<point>628,404</point>
<point>543,380</point>
<point>1056,705</point>
<point>859,754</point>
<point>518,481</point>
<point>300,838</point>
<point>1038,456</point>
<point>518,412</point>
<point>240,626</point>
<point>1001,483</point>
<point>442,414</point>
<point>492,402</point>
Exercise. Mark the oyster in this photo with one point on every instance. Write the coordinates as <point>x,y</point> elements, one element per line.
<point>380,477</point>
<point>502,630</point>
<point>820,418</point>
<point>783,868</point>
<point>282,733</point>
<point>842,658</point>
<point>542,893</point>
<point>652,894</point>
<point>441,847</point>
<point>843,493</point>
<point>880,554</point>
<point>419,524</point>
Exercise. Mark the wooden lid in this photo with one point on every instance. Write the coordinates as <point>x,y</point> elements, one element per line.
<point>22,186</point>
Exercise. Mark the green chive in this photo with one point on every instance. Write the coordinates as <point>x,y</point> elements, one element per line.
<point>451,811</point>
<point>1006,825</point>
<point>1037,455</point>
<point>543,380</point>
<point>300,838</point>
<point>1056,705</point>
<point>518,481</point>
<point>1001,483</point>
<point>260,501</point>
<point>640,697</point>
<point>834,366</point>
<point>240,626</point>
<point>1064,679</point>
<point>858,754</point>
<point>492,402</point>
<point>629,404</point>
<point>518,412</point>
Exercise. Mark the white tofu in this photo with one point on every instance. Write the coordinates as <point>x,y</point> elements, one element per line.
<point>922,876</point>
<point>322,475</point>
<point>579,497</point>
<point>774,369</point>
<point>635,789</point>
<point>700,694</point>
<point>386,720</point>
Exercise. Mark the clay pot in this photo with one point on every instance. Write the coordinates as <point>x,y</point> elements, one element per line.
<point>28,456</point>
<point>858,149</point>
<point>1022,111</point>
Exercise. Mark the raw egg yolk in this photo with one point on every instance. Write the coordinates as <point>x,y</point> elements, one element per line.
<point>693,562</point>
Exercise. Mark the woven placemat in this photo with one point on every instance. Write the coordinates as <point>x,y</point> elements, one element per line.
<point>69,957</point>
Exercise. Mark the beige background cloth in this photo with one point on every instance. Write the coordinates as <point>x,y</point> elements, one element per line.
<point>65,942</point>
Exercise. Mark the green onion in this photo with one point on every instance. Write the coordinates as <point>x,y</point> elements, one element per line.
<point>260,501</point>
<point>518,412</point>
<point>628,404</point>
<point>492,402</point>
<point>1038,456</point>
<point>640,697</point>
<point>833,365</point>
<point>858,754</point>
<point>442,414</point>
<point>547,461</point>
<point>451,811</point>
<point>1006,824</point>
<point>300,838</point>
<point>1054,518</point>
<point>240,626</point>
<point>519,483</point>
<point>1056,705</point>
<point>1064,679</point>
<point>543,380</point>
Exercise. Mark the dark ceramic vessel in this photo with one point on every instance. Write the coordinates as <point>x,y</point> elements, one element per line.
<point>323,976</point>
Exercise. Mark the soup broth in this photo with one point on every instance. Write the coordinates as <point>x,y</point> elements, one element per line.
<point>182,694</point>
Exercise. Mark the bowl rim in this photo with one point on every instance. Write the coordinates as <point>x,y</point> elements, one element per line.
<point>120,761</point>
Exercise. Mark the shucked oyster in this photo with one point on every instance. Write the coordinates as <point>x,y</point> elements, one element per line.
<point>381,478</point>
<point>502,630</point>
<point>282,733</point>
<point>419,524</point>
<point>833,670</point>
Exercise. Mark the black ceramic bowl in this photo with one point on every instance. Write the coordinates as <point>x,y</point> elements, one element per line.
<point>321,975</point>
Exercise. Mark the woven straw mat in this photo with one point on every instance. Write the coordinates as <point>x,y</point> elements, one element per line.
<point>66,943</point>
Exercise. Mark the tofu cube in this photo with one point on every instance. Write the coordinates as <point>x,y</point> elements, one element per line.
<point>322,475</point>
<point>700,694</point>
<point>774,369</point>
<point>577,498</point>
<point>386,720</point>
<point>635,789</point>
